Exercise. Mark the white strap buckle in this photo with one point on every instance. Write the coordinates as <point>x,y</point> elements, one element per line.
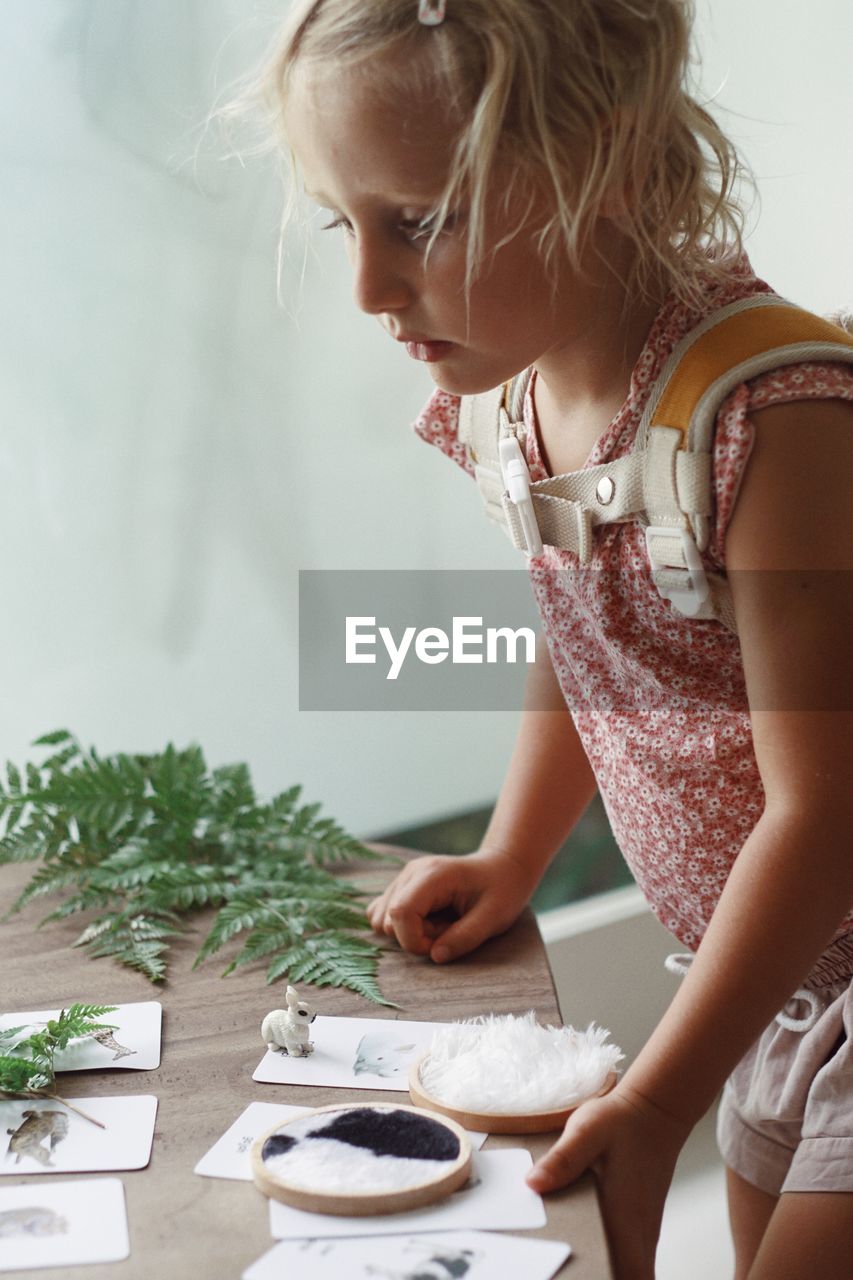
<point>685,586</point>
<point>516,478</point>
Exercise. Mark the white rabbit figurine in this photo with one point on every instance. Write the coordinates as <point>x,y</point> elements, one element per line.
<point>287,1029</point>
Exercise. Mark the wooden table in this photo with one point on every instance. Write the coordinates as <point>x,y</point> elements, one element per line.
<point>185,1226</point>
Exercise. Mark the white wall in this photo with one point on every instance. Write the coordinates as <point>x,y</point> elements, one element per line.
<point>167,427</point>
<point>779,75</point>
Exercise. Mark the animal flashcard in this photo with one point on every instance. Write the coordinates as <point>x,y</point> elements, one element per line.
<point>38,1135</point>
<point>31,1220</point>
<point>386,1053</point>
<point>229,1156</point>
<point>62,1224</point>
<point>134,1044</point>
<point>496,1199</point>
<point>451,1255</point>
<point>354,1053</point>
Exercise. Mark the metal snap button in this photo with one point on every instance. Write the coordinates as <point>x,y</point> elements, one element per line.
<point>605,490</point>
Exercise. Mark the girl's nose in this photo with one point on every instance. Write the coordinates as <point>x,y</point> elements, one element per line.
<point>380,283</point>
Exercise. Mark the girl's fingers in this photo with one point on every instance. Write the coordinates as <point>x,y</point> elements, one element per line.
<point>407,923</point>
<point>378,909</point>
<point>463,935</point>
<point>410,909</point>
<point>571,1155</point>
<point>420,905</point>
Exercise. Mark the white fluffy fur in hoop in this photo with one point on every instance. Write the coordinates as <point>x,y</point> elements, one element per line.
<point>512,1064</point>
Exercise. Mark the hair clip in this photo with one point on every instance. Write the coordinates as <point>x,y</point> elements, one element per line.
<point>431,12</point>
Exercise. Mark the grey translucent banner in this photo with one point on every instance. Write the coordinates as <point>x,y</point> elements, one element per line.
<point>414,640</point>
<point>443,640</point>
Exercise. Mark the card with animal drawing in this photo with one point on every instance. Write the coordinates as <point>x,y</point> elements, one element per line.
<point>496,1198</point>
<point>229,1156</point>
<point>39,1135</point>
<point>468,1255</point>
<point>353,1053</point>
<point>134,1044</point>
<point>62,1224</point>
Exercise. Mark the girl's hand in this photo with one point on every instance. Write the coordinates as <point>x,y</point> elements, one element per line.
<point>444,907</point>
<point>631,1146</point>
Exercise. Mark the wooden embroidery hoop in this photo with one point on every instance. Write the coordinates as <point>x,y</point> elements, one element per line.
<point>450,1174</point>
<point>497,1121</point>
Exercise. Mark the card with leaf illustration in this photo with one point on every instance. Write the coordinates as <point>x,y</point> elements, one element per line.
<point>229,1156</point>
<point>62,1224</point>
<point>474,1255</point>
<point>353,1053</point>
<point>134,1044</point>
<point>495,1198</point>
<point>40,1135</point>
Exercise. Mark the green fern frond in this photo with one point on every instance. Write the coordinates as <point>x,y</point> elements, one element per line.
<point>27,1070</point>
<point>138,942</point>
<point>352,964</point>
<point>56,738</point>
<point>261,943</point>
<point>17,1075</point>
<point>48,879</point>
<point>143,840</point>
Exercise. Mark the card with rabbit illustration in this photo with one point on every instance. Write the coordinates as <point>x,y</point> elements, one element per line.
<point>352,1053</point>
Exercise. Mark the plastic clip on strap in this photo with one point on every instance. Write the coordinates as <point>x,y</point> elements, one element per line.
<point>680,963</point>
<point>685,586</point>
<point>516,478</point>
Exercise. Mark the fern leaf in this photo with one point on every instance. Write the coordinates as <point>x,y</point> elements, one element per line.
<point>135,942</point>
<point>56,738</point>
<point>143,840</point>
<point>20,846</point>
<point>46,880</point>
<point>87,1012</point>
<point>17,1074</point>
<point>352,963</point>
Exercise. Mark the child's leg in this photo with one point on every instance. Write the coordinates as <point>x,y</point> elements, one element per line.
<point>784,1127</point>
<point>750,1211</point>
<point>809,1234</point>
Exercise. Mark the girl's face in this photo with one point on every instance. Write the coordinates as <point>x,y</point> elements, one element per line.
<point>380,171</point>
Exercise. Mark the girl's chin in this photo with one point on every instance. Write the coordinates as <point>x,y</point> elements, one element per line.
<point>456,380</point>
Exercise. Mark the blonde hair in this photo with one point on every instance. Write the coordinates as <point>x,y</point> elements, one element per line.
<point>586,99</point>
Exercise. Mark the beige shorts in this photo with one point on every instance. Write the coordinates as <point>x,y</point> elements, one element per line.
<point>786,1115</point>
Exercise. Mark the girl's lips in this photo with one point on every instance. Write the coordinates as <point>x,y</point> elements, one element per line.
<point>428,351</point>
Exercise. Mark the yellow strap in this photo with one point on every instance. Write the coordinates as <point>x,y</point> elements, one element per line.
<point>733,341</point>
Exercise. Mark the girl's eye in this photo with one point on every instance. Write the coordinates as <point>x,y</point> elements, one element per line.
<point>337,221</point>
<point>415,230</point>
<point>418,230</point>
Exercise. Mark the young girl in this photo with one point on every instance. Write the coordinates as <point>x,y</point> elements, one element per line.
<point>527,183</point>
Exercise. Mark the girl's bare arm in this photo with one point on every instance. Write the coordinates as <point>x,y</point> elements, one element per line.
<point>790,556</point>
<point>547,787</point>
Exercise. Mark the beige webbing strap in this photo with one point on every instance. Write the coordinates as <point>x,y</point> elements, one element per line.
<point>665,483</point>
<point>561,523</point>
